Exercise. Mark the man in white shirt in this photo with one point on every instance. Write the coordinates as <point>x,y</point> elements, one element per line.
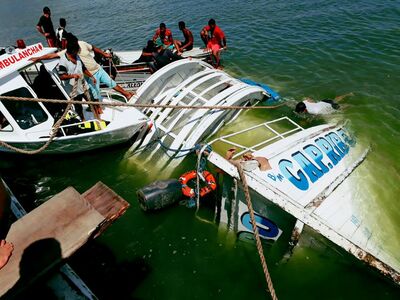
<point>323,107</point>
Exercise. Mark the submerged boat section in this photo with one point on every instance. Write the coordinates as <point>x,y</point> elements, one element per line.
<point>302,168</point>
<point>192,83</point>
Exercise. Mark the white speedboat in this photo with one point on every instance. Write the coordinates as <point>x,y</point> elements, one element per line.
<point>305,174</point>
<point>28,125</point>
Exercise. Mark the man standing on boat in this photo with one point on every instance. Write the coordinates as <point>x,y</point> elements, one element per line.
<point>45,27</point>
<point>92,66</point>
<point>187,44</point>
<point>71,67</point>
<point>214,39</point>
<point>165,37</point>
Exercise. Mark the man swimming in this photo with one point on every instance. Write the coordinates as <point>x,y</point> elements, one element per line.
<point>323,107</point>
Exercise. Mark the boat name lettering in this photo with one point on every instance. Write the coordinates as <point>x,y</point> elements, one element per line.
<point>134,84</point>
<point>21,54</point>
<point>308,163</point>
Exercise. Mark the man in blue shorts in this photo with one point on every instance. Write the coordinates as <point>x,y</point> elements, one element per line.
<point>92,66</point>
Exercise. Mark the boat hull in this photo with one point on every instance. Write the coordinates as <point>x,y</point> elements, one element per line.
<point>83,142</point>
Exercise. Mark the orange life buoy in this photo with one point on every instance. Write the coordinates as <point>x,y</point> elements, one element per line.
<point>190,192</point>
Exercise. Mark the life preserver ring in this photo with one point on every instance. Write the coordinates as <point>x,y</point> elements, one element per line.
<point>211,185</point>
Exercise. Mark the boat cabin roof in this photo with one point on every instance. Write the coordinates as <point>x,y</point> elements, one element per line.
<point>12,62</point>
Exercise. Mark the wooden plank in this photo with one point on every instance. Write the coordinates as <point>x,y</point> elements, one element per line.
<point>54,231</point>
<point>110,205</point>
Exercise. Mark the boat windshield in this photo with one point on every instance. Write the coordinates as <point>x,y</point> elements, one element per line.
<point>40,80</point>
<point>26,114</point>
<point>4,124</point>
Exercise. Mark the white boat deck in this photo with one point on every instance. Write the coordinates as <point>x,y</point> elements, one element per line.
<point>306,167</point>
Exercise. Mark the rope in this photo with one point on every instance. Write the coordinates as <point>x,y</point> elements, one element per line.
<point>137,105</point>
<point>69,103</point>
<point>54,129</point>
<point>255,229</point>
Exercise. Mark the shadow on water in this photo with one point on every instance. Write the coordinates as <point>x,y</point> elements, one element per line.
<point>37,259</point>
<point>107,278</point>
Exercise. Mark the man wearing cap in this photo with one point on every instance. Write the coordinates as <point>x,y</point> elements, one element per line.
<point>45,27</point>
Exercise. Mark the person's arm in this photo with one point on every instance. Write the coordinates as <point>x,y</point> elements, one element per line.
<point>339,98</point>
<point>70,76</point>
<point>101,52</point>
<point>171,40</point>
<point>204,31</point>
<point>156,35</point>
<point>40,29</point>
<point>45,57</point>
<point>224,42</point>
<point>88,74</point>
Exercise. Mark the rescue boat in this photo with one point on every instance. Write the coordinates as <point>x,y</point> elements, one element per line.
<point>28,125</point>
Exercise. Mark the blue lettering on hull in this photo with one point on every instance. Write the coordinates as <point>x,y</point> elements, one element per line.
<point>266,228</point>
<point>307,166</point>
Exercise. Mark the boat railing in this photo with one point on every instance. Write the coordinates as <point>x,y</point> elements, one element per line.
<point>112,96</point>
<point>276,135</point>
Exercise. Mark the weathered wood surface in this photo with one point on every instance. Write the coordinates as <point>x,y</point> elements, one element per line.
<point>55,230</point>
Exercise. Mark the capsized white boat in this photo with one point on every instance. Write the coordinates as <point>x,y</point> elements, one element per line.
<point>28,125</point>
<point>306,167</point>
<point>189,82</point>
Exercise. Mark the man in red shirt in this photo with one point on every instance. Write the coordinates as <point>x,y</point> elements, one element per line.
<point>165,36</point>
<point>214,39</point>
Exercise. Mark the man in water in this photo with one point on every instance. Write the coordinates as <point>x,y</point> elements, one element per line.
<point>214,39</point>
<point>6,248</point>
<point>323,107</point>
<point>45,27</point>
<point>165,37</point>
<point>187,44</point>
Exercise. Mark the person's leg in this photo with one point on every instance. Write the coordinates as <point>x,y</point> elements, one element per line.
<point>52,42</point>
<point>104,78</point>
<point>215,52</point>
<point>339,98</point>
<point>79,108</point>
<point>95,91</point>
<point>178,45</point>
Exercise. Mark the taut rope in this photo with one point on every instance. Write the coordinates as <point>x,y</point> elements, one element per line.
<point>255,229</point>
<point>138,105</point>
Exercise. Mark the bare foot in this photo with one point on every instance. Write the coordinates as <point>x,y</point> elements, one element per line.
<point>6,250</point>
